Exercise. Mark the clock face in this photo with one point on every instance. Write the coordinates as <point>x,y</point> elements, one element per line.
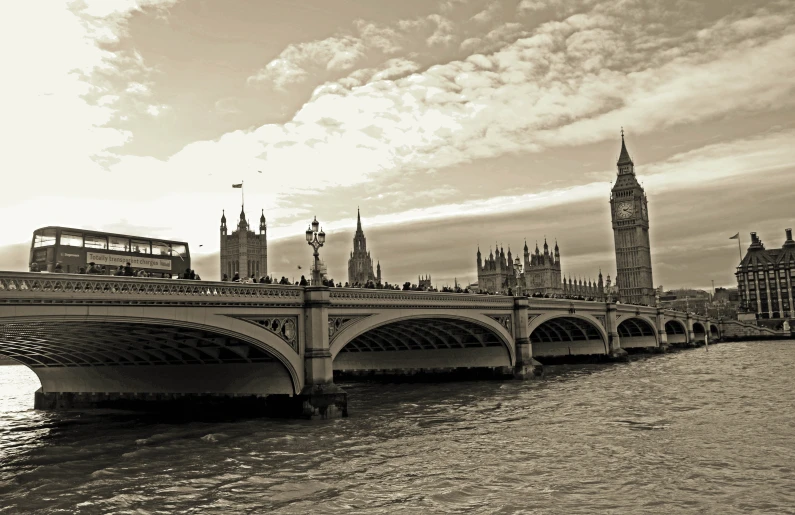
<point>624,210</point>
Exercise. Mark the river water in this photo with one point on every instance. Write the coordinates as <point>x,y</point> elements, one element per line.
<point>692,432</point>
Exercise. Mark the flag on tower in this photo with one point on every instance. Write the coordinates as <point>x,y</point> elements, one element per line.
<point>237,185</point>
<point>736,236</point>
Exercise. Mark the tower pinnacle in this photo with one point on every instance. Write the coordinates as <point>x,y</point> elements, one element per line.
<point>623,158</point>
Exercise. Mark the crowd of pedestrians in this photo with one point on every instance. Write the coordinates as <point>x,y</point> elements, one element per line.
<point>128,271</point>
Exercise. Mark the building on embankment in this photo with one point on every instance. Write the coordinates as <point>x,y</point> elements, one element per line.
<point>765,280</point>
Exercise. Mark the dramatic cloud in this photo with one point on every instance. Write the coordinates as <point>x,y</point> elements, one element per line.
<point>469,109</point>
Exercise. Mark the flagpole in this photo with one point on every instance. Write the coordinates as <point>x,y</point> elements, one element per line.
<point>740,249</point>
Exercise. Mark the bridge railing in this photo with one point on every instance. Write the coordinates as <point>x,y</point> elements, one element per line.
<point>39,286</point>
<point>400,298</point>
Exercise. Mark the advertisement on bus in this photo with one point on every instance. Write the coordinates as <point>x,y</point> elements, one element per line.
<point>149,262</point>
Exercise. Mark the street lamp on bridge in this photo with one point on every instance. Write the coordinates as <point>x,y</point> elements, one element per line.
<point>316,240</point>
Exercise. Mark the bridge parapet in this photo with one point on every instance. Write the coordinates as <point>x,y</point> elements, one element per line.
<point>77,289</point>
<point>359,297</point>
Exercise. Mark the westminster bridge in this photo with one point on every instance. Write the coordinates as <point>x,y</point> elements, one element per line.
<point>92,340</point>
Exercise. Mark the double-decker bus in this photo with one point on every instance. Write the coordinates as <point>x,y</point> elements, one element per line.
<point>76,248</point>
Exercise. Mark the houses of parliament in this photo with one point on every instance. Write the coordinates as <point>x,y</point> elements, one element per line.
<point>541,273</point>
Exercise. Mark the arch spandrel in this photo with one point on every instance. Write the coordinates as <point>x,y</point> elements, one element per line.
<point>350,332</point>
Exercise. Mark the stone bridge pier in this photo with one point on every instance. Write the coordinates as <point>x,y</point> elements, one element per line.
<point>319,397</point>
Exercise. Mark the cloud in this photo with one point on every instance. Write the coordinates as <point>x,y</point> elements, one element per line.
<point>342,52</point>
<point>383,106</point>
<point>296,61</point>
<point>493,8</point>
<point>443,34</point>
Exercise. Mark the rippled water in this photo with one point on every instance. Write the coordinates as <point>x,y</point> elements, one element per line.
<point>691,432</point>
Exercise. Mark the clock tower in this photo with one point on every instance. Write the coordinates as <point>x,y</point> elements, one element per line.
<point>631,232</point>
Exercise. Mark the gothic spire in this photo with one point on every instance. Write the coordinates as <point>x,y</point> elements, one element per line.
<point>358,220</point>
<point>623,158</point>
<point>223,216</point>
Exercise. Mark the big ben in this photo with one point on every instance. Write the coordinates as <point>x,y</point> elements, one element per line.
<point>628,208</point>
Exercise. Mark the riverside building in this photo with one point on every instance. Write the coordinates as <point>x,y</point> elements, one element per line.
<point>765,279</point>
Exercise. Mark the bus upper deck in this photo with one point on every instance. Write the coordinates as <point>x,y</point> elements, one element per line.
<point>77,248</point>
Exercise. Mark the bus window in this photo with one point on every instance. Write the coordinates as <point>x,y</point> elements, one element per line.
<point>96,242</point>
<point>71,239</point>
<point>119,244</point>
<point>140,247</point>
<point>159,248</point>
<point>44,238</point>
<point>178,250</point>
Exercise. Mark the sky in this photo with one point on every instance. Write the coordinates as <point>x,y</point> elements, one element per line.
<point>451,125</point>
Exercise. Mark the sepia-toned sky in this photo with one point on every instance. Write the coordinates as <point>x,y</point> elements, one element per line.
<point>450,124</point>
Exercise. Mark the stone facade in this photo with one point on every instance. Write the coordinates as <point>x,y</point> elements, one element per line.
<point>244,252</point>
<point>765,279</point>
<point>360,264</point>
<point>628,209</point>
<point>539,273</point>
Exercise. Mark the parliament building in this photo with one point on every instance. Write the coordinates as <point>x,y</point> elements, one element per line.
<point>244,252</point>
<point>360,264</point>
<point>537,274</point>
<point>540,273</point>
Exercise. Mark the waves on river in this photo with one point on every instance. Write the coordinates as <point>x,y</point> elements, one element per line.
<point>690,432</point>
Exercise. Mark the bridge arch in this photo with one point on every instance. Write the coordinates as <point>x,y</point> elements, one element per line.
<point>396,340</point>
<point>637,332</point>
<point>564,334</point>
<point>138,354</point>
<point>676,332</point>
<point>699,332</point>
<point>714,331</point>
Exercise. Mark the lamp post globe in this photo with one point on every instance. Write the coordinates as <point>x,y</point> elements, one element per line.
<point>316,240</point>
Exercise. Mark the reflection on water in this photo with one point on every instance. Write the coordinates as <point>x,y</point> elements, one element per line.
<point>692,432</point>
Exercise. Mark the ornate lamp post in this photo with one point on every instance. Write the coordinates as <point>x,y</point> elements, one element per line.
<point>316,240</point>
<point>517,267</point>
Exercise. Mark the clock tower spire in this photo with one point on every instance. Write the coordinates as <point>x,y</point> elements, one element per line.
<point>628,209</point>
